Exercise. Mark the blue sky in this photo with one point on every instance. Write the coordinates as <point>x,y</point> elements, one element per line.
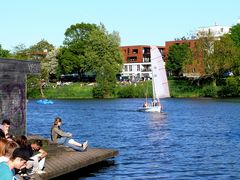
<point>139,22</point>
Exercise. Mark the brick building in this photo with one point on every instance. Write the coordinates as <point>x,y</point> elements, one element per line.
<point>137,62</point>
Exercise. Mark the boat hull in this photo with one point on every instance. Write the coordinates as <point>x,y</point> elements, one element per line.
<point>150,109</point>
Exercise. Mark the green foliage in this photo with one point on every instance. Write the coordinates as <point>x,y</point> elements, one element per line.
<point>72,91</point>
<point>21,52</point>
<point>209,91</point>
<point>72,56</point>
<point>178,56</point>
<point>41,46</point>
<point>33,86</point>
<point>231,88</point>
<point>90,48</point>
<point>139,90</point>
<point>183,88</point>
<point>224,57</point>
<point>4,53</point>
<point>235,34</point>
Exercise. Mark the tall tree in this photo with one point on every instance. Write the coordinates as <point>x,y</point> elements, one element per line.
<point>41,46</point>
<point>21,52</point>
<point>90,48</point>
<point>235,34</point>
<point>202,62</point>
<point>72,54</point>
<point>178,57</point>
<point>105,59</point>
<point>225,57</point>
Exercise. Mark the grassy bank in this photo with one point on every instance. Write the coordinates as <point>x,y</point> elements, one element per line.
<point>71,91</point>
<point>178,88</point>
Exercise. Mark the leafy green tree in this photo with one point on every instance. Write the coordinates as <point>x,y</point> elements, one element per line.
<point>225,57</point>
<point>72,54</point>
<point>235,34</point>
<point>178,57</point>
<point>41,46</point>
<point>105,59</point>
<point>90,48</point>
<point>21,52</point>
<point>4,53</point>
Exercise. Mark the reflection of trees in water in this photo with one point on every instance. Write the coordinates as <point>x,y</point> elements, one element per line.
<point>157,123</point>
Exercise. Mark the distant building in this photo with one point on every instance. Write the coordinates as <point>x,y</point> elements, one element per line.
<point>216,31</point>
<point>137,62</point>
<point>168,44</point>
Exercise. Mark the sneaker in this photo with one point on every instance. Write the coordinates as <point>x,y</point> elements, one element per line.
<point>85,145</point>
<point>41,172</point>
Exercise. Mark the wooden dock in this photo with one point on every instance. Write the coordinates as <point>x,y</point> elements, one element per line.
<point>62,160</point>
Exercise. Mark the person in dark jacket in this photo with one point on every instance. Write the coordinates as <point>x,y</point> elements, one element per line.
<point>4,128</point>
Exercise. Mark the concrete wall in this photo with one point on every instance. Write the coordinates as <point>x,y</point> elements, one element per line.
<point>13,92</point>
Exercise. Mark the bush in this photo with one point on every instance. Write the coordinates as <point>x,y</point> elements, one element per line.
<point>138,90</point>
<point>231,88</point>
<point>210,91</point>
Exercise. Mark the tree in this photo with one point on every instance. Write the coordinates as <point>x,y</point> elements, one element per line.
<point>41,46</point>
<point>21,52</point>
<point>202,63</point>
<point>90,48</point>
<point>52,63</point>
<point>235,34</point>
<point>72,54</point>
<point>178,56</point>
<point>4,53</point>
<point>225,57</point>
<point>105,59</point>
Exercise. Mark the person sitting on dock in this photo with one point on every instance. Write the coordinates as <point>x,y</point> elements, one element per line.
<point>6,149</point>
<point>37,155</point>
<point>18,160</point>
<point>60,137</point>
<point>4,128</point>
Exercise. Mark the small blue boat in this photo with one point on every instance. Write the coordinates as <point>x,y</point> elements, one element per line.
<point>44,101</point>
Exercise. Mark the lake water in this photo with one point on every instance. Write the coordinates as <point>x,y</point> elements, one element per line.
<point>194,139</point>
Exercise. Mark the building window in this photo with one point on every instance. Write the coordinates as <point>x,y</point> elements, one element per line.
<point>221,29</point>
<point>130,67</point>
<point>146,59</point>
<point>138,67</point>
<point>128,50</point>
<point>146,51</point>
<point>135,51</point>
<point>131,59</point>
<point>125,68</point>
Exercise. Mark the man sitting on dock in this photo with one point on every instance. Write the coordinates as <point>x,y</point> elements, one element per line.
<point>38,155</point>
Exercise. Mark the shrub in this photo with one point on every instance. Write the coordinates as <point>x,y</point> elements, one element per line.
<point>209,91</point>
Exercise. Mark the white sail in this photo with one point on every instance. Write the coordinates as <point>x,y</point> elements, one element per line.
<point>159,76</point>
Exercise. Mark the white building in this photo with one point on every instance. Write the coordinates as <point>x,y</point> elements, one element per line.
<point>216,31</point>
<point>136,71</point>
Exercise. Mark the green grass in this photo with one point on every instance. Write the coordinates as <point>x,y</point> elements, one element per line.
<point>183,88</point>
<point>178,88</point>
<point>72,91</point>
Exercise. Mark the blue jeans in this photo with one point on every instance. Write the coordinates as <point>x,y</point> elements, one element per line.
<point>64,141</point>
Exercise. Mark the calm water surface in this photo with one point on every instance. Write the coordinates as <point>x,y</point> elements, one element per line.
<point>194,139</point>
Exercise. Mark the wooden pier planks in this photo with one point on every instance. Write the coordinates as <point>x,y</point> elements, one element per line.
<point>65,160</point>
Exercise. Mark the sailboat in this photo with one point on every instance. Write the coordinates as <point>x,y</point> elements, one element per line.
<point>159,82</point>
